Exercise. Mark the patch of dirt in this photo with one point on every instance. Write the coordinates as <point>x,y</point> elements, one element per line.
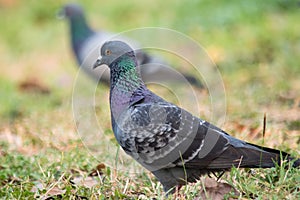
<point>216,190</point>
<point>33,85</point>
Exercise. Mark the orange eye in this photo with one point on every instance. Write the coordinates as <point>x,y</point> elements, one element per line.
<point>107,52</point>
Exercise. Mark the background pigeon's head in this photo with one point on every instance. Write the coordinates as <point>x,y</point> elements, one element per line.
<point>112,50</point>
<point>71,10</point>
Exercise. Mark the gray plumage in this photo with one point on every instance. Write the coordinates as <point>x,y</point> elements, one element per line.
<point>174,145</point>
<point>86,43</point>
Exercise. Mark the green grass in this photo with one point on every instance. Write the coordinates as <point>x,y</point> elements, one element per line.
<point>255,45</point>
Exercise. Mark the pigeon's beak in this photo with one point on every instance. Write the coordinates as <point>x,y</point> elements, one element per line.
<point>98,63</point>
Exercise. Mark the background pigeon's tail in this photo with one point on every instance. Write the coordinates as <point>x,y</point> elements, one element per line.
<point>193,81</point>
<point>251,156</point>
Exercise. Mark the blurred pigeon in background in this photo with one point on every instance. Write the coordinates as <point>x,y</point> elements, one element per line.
<point>86,43</point>
<point>174,145</point>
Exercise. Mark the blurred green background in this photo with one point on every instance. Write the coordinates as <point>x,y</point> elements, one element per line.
<point>255,44</point>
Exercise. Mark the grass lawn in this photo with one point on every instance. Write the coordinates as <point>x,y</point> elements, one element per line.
<point>48,150</point>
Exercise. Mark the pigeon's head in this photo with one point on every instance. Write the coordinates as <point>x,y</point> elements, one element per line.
<point>112,50</point>
<point>70,10</point>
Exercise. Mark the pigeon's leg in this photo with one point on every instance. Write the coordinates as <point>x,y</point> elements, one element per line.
<point>209,175</point>
<point>219,175</point>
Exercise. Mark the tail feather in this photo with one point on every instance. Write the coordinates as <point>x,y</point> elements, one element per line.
<point>282,155</point>
<point>251,156</point>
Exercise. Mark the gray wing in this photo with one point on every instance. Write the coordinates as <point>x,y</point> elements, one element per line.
<point>162,135</point>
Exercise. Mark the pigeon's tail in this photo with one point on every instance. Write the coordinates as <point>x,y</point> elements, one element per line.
<point>193,81</point>
<point>277,156</point>
<point>252,156</point>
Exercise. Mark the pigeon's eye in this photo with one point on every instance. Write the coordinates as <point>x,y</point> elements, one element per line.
<point>107,52</point>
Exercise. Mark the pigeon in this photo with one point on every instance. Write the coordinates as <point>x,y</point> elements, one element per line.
<point>167,140</point>
<point>86,42</point>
